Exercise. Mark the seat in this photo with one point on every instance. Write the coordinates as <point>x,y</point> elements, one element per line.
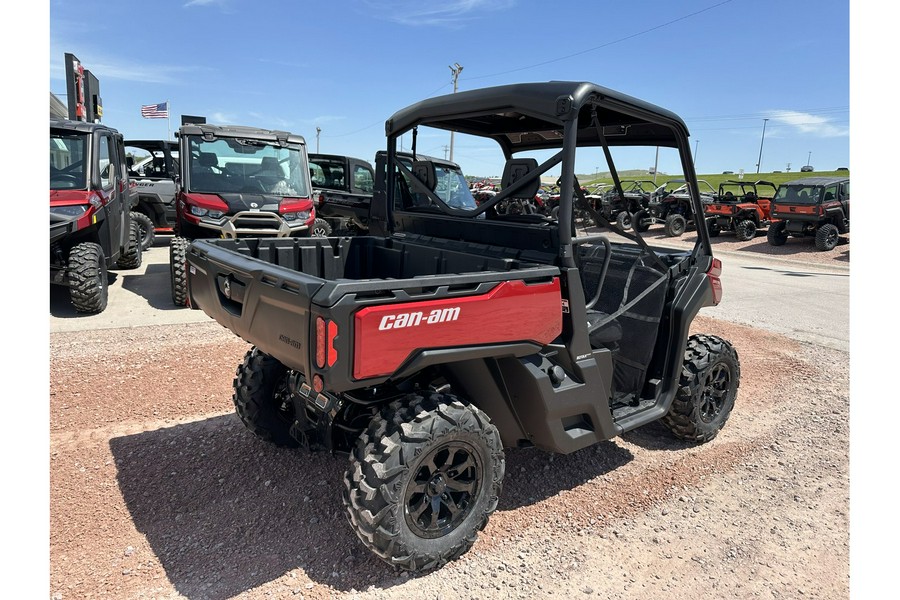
<point>606,335</point>
<point>269,167</point>
<point>804,197</point>
<point>206,161</point>
<point>517,169</point>
<point>828,197</point>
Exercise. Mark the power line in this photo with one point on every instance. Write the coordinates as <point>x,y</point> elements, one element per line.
<point>607,44</point>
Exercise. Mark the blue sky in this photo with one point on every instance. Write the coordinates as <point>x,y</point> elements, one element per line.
<point>346,66</point>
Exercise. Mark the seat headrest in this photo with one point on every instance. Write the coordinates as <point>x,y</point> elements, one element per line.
<point>425,171</point>
<point>521,168</point>
<point>207,159</point>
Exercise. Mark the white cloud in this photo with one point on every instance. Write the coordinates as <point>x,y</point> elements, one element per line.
<point>203,3</point>
<point>220,118</point>
<point>450,13</point>
<point>809,124</point>
<point>105,67</point>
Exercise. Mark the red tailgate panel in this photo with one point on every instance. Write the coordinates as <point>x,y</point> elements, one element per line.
<point>387,335</point>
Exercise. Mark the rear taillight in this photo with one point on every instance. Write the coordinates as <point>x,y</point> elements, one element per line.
<point>714,272</point>
<point>320,342</point>
<point>326,331</point>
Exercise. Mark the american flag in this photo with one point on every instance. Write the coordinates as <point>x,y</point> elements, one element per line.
<point>155,111</point>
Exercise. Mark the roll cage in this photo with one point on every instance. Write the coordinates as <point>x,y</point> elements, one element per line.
<point>560,116</point>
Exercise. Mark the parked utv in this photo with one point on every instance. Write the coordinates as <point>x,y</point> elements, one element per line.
<point>238,182</point>
<point>152,168</point>
<point>818,207</point>
<point>342,189</point>
<point>452,332</point>
<point>672,205</point>
<point>91,229</point>
<point>621,209</point>
<point>741,207</point>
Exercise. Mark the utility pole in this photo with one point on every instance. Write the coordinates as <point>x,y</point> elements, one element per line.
<point>656,165</point>
<point>808,157</point>
<point>696,146</point>
<point>445,152</point>
<point>759,160</point>
<point>456,69</point>
<point>318,131</point>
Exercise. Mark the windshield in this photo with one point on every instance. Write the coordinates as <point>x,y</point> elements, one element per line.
<point>238,165</point>
<point>453,189</point>
<point>798,194</point>
<point>68,157</point>
<point>327,173</point>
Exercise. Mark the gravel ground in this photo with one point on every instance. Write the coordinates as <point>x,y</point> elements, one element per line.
<point>157,491</point>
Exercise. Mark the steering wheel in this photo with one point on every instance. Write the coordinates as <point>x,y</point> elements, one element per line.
<point>61,177</point>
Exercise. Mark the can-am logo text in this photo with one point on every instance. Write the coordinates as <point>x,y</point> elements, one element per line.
<point>414,319</point>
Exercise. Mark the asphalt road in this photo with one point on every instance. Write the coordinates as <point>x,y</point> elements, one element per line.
<point>810,303</point>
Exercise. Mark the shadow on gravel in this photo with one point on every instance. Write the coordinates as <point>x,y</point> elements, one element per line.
<point>656,436</point>
<point>225,512</point>
<point>533,475</point>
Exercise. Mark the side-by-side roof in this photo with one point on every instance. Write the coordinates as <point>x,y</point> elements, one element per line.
<point>530,116</point>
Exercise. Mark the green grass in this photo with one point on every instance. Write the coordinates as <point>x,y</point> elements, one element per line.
<point>713,179</point>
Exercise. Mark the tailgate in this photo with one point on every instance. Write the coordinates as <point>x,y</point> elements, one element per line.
<point>263,303</point>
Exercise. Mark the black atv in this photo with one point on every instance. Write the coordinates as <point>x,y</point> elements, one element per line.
<point>636,196</point>
<point>672,205</point>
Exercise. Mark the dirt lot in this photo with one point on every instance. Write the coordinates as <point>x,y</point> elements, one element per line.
<point>157,491</point>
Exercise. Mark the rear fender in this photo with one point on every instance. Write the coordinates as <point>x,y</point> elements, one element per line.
<point>530,407</point>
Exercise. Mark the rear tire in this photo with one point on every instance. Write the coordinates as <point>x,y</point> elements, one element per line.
<point>177,269</point>
<point>675,225</point>
<point>131,257</point>
<point>827,237</point>
<point>148,232</point>
<point>745,230</point>
<point>623,220</point>
<point>713,227</point>
<point>776,235</point>
<point>424,477</point>
<point>640,221</point>
<point>262,398</point>
<point>88,280</point>
<point>710,376</point>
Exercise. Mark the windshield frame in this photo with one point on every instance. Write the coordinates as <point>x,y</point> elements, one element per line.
<point>243,175</point>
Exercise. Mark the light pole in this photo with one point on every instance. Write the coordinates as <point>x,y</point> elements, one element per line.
<point>759,160</point>
<point>808,157</point>
<point>456,69</point>
<point>696,146</point>
<point>656,165</point>
<point>318,131</point>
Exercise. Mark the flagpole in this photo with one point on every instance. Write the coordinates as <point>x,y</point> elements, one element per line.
<point>168,120</point>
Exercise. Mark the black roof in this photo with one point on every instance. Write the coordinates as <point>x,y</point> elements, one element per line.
<point>527,116</point>
<point>171,144</point>
<point>240,131</point>
<point>816,181</point>
<point>313,155</point>
<point>81,126</point>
